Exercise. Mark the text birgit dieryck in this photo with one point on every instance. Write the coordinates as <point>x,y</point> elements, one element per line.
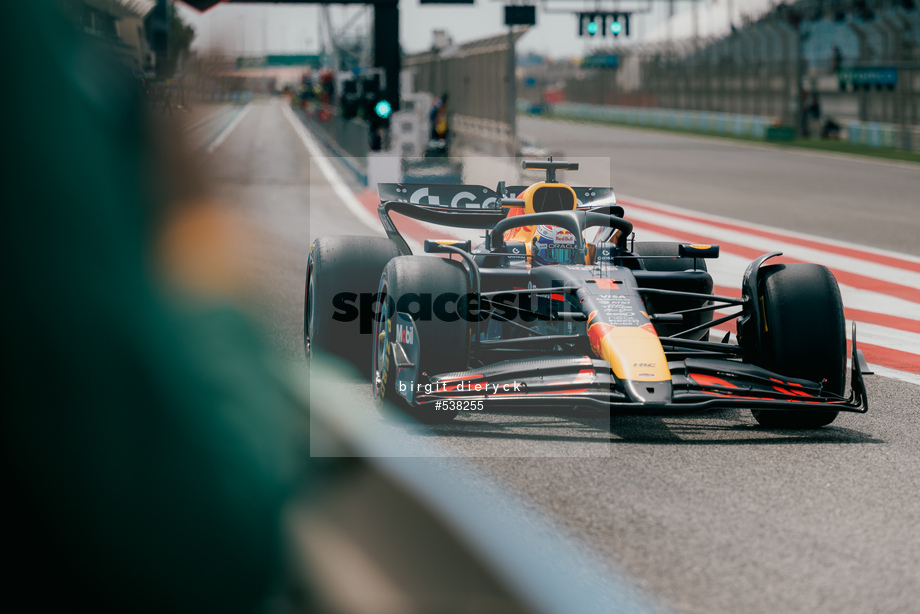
<point>461,387</point>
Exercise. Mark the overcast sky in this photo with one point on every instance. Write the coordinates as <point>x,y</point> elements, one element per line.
<point>255,29</point>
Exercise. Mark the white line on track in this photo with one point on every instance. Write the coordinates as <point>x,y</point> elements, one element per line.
<point>904,376</point>
<point>332,176</point>
<point>740,224</point>
<point>201,121</point>
<point>890,338</point>
<point>230,127</point>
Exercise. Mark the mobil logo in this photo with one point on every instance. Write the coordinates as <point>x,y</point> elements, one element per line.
<point>405,334</point>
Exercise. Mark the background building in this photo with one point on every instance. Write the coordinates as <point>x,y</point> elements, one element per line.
<point>117,24</point>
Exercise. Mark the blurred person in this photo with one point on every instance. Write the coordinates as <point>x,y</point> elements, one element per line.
<point>836,60</point>
<point>813,113</point>
<point>307,94</point>
<point>814,106</point>
<point>148,440</point>
<point>803,113</point>
<point>831,129</point>
<point>166,94</point>
<point>182,103</point>
<point>327,86</point>
<point>439,119</point>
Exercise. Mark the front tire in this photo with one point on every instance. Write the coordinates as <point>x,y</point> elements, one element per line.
<point>802,335</point>
<point>444,344</point>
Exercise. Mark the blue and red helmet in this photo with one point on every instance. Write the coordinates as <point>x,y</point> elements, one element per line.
<point>555,245</point>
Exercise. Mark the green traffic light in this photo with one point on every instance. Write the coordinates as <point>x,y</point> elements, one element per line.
<point>616,27</point>
<point>592,28</point>
<point>383,109</point>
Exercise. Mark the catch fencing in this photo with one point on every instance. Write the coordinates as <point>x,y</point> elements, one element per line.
<point>769,68</point>
<point>477,77</point>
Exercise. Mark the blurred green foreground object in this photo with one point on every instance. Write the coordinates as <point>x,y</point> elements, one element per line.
<point>146,447</point>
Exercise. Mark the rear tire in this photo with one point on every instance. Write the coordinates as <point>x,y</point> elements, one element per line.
<point>444,346</point>
<point>802,336</point>
<point>339,270</point>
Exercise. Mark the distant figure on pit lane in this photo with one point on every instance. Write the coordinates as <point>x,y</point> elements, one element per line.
<point>439,118</point>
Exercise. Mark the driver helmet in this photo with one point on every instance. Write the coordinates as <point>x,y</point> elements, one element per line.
<point>555,245</point>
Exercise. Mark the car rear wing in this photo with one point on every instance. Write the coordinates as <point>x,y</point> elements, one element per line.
<point>454,196</point>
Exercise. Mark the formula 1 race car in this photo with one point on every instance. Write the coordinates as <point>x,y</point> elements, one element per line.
<point>537,315</point>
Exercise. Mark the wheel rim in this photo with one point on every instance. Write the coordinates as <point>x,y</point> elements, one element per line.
<point>380,345</point>
<point>309,311</point>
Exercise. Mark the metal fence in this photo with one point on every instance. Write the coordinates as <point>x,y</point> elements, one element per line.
<point>477,76</point>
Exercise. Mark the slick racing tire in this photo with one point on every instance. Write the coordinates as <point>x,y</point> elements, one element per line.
<point>444,345</point>
<point>665,304</point>
<point>802,336</point>
<point>340,269</point>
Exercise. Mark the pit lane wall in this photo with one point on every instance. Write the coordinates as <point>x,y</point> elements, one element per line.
<point>871,134</point>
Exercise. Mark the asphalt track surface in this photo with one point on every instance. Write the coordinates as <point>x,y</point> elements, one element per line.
<point>705,514</point>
